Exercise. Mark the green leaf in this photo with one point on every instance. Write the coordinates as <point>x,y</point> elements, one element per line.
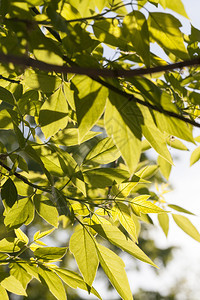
<point>9,193</point>
<point>54,114</point>
<point>41,81</point>
<point>195,156</point>
<point>124,188</point>
<point>180,209</point>
<point>20,137</point>
<point>22,212</point>
<point>171,125</point>
<point>165,167</point>
<point>82,245</point>
<point>186,225</point>
<point>21,235</point>
<point>11,284</point>
<point>121,212</point>
<point>90,100</point>
<point>117,238</point>
<point>163,220</point>
<point>105,177</point>
<point>3,293</point>
<point>110,33</point>
<point>164,29</point>
<point>38,235</point>
<point>35,2</point>
<point>122,122</point>
<point>147,172</point>
<point>175,143</point>
<point>69,137</point>
<point>176,6</point>
<point>154,136</point>
<point>20,274</point>
<point>103,152</point>
<point>6,96</point>
<point>46,209</point>
<point>5,120</point>
<point>141,205</point>
<point>113,266</point>
<point>75,281</point>
<point>53,282</point>
<point>50,253</point>
<point>136,30</point>
<point>11,245</point>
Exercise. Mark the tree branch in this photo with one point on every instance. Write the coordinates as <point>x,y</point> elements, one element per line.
<point>24,179</point>
<point>26,61</point>
<point>95,74</point>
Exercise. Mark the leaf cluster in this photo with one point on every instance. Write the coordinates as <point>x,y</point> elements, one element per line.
<point>72,145</point>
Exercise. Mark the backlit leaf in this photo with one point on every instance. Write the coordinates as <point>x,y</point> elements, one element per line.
<point>90,101</point>
<point>82,245</point>
<point>46,209</point>
<point>53,282</point>
<point>104,152</point>
<point>75,281</point>
<point>113,266</point>
<point>140,205</point>
<point>195,156</point>
<point>122,123</point>
<point>164,29</point>
<point>117,238</point>
<point>54,114</point>
<point>186,225</point>
<point>50,253</point>
<point>164,222</point>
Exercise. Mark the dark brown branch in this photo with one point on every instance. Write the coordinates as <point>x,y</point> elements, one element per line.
<point>10,80</point>
<point>26,61</point>
<point>24,179</point>
<point>95,73</point>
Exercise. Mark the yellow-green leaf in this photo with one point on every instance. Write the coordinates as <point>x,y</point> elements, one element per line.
<point>113,266</point>
<point>90,101</point>
<point>53,282</point>
<point>46,209</point>
<point>21,236</point>
<point>11,284</point>
<point>75,281</point>
<point>121,211</point>
<point>176,6</point>
<point>22,212</point>
<point>141,205</point>
<point>3,293</point>
<point>122,123</point>
<point>195,156</point>
<point>164,29</point>
<point>20,274</point>
<point>186,225</point>
<point>103,152</point>
<point>54,114</point>
<point>163,220</point>
<point>82,245</point>
<point>165,167</point>
<point>117,238</point>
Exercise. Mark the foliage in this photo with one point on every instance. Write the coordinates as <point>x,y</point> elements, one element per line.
<point>71,144</point>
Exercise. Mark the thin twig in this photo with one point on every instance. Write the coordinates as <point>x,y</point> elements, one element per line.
<point>8,79</point>
<point>24,179</point>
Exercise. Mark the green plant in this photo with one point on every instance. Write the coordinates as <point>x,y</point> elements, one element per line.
<point>74,125</point>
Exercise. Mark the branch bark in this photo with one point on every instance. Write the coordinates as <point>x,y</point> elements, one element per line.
<point>95,74</point>
<point>26,61</point>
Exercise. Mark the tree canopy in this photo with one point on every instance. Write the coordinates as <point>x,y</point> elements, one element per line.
<point>75,127</point>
